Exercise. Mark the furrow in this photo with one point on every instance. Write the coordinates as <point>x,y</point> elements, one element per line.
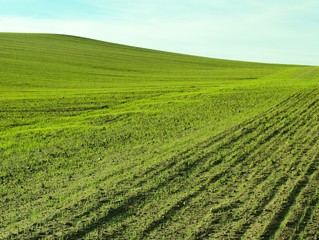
<point>169,211</point>
<point>300,215</point>
<point>179,168</point>
<point>280,181</point>
<point>313,142</point>
<point>272,228</point>
<point>311,229</point>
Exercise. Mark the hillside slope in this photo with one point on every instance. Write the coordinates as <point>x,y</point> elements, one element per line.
<point>105,141</point>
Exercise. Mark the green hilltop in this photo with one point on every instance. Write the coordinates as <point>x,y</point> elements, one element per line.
<point>105,141</point>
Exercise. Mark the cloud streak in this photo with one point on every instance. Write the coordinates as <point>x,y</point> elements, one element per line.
<point>272,31</point>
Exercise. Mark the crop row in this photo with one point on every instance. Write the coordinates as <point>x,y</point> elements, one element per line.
<point>252,179</point>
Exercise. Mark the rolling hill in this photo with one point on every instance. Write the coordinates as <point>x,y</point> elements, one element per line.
<point>106,141</point>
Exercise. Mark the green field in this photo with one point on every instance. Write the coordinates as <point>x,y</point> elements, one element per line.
<point>105,141</point>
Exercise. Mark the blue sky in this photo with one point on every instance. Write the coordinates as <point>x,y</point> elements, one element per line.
<point>279,31</point>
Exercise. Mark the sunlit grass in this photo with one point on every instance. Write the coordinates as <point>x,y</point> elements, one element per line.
<point>101,140</point>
